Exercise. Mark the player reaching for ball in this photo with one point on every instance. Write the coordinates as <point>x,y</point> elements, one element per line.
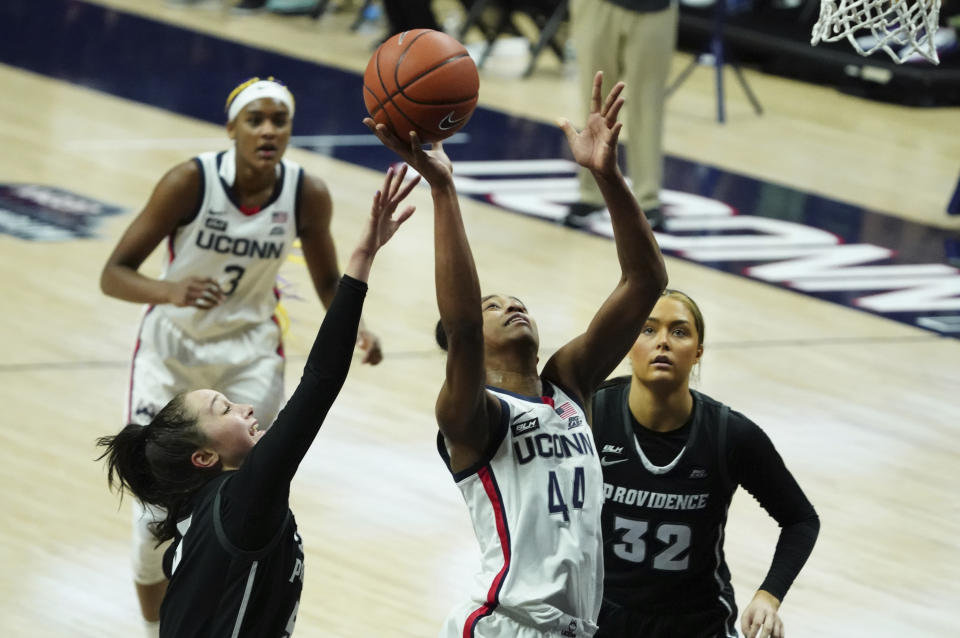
<point>516,439</point>
<point>236,565</point>
<point>229,219</point>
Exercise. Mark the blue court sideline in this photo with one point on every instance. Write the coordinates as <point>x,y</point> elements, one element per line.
<point>811,244</point>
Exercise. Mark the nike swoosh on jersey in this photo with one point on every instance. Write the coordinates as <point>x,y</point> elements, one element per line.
<point>604,461</point>
<point>448,122</point>
<point>517,417</point>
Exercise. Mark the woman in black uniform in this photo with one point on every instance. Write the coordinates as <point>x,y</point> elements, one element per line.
<point>236,562</point>
<point>672,458</point>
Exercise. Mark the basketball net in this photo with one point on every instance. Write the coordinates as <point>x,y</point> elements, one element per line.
<point>869,25</point>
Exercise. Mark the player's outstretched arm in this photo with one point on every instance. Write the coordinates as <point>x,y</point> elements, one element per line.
<point>260,489</point>
<point>586,361</point>
<point>329,359</point>
<point>466,412</point>
<point>174,198</point>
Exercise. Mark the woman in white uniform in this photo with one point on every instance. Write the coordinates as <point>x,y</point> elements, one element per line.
<point>228,220</point>
<point>516,439</point>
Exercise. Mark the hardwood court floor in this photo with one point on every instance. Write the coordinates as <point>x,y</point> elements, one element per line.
<point>864,410</point>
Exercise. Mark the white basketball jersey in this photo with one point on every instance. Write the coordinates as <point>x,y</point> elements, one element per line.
<point>242,251</point>
<point>535,505</point>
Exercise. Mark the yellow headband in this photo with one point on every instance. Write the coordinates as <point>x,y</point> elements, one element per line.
<point>254,90</point>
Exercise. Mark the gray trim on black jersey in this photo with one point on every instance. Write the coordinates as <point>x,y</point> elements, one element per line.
<point>246,596</point>
<point>657,469</point>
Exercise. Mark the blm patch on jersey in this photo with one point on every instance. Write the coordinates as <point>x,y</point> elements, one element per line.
<point>525,427</point>
<point>215,224</point>
<point>43,213</point>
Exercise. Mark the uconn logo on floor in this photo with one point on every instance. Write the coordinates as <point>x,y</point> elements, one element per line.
<point>818,251</point>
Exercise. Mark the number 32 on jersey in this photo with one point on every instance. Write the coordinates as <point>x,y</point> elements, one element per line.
<point>633,543</point>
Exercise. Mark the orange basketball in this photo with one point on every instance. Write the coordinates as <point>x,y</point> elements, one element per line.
<point>424,81</point>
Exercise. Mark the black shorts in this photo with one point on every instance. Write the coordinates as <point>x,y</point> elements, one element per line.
<point>620,622</point>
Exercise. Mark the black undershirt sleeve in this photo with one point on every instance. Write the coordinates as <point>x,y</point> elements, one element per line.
<point>256,499</point>
<point>757,466</point>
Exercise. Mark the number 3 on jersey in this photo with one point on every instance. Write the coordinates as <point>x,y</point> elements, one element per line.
<point>555,501</point>
<point>236,273</point>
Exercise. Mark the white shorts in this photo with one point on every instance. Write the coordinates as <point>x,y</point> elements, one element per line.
<point>470,621</point>
<point>246,366</point>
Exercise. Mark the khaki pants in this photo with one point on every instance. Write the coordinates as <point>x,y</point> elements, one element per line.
<point>636,48</point>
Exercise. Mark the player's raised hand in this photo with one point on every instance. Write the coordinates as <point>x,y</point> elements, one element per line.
<point>200,292</point>
<point>595,147</point>
<point>760,619</point>
<point>433,165</point>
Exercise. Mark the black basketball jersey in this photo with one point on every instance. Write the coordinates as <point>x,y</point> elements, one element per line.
<point>663,525</point>
<point>218,590</point>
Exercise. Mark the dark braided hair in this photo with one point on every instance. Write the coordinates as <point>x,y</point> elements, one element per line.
<point>153,462</point>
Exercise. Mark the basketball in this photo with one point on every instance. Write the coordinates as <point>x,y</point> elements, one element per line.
<point>421,80</point>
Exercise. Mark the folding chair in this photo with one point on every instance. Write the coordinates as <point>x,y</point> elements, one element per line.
<point>547,15</point>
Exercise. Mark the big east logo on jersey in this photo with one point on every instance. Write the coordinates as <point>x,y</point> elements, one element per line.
<point>44,213</point>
